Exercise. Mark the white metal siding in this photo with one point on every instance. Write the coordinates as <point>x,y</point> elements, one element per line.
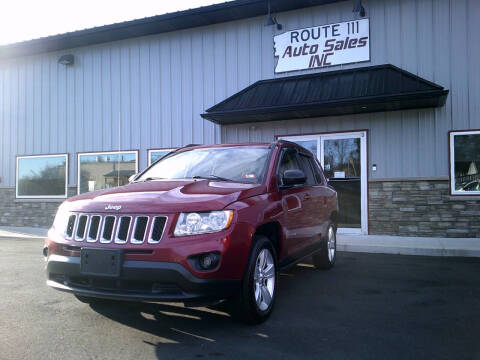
<point>160,84</point>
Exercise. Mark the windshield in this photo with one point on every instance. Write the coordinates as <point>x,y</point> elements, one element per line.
<point>239,164</point>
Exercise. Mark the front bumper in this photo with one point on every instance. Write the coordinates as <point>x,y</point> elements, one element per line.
<point>139,281</point>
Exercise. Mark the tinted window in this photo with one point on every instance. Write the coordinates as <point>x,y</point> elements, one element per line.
<point>105,170</point>
<point>316,171</point>
<point>307,169</point>
<point>289,162</point>
<point>42,176</point>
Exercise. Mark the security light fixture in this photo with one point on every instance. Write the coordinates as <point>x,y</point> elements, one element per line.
<point>272,20</point>
<point>66,59</point>
<point>358,8</point>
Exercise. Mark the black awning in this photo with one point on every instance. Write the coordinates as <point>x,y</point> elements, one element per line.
<point>342,92</point>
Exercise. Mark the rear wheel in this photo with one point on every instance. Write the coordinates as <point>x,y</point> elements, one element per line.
<point>254,302</point>
<point>325,258</point>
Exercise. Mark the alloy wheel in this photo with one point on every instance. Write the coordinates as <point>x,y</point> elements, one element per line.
<point>264,279</point>
<point>331,244</point>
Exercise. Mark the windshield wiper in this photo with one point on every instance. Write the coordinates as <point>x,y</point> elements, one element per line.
<point>211,177</point>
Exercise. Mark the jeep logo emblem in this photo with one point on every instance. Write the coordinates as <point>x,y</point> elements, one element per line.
<point>113,207</point>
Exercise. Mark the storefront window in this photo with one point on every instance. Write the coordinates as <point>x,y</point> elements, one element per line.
<point>155,155</point>
<point>42,176</point>
<point>98,171</point>
<point>465,162</point>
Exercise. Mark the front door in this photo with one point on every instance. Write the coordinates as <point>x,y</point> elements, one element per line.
<point>344,160</point>
<point>295,201</point>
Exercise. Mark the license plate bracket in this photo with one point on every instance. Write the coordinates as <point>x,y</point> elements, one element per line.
<point>101,262</point>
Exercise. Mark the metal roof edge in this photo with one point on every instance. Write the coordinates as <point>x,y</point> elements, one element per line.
<point>179,20</point>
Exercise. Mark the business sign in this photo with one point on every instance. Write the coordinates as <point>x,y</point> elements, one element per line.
<point>321,46</point>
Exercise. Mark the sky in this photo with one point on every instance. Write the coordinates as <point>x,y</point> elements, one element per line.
<point>30,19</point>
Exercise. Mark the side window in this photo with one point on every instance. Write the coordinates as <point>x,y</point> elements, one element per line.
<point>289,161</point>
<point>307,170</point>
<point>316,171</point>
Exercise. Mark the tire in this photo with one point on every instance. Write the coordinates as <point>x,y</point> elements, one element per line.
<point>254,302</point>
<point>325,258</point>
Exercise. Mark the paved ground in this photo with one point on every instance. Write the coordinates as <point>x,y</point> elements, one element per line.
<point>371,306</point>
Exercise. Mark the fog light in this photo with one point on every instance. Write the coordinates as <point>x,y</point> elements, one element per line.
<point>209,261</point>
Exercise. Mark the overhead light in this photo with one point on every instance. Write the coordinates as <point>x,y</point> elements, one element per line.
<point>271,20</point>
<point>358,8</point>
<point>67,59</point>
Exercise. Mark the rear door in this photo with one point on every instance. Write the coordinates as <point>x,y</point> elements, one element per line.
<point>315,205</point>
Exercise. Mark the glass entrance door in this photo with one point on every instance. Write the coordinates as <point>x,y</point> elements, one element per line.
<point>343,158</point>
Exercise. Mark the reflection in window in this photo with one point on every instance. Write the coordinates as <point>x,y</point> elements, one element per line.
<point>105,170</point>
<point>155,155</point>
<point>310,145</point>
<point>342,158</point>
<point>42,176</point>
<point>465,162</point>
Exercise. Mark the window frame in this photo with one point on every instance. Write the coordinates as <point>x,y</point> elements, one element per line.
<point>79,154</point>
<point>18,157</point>
<point>451,161</point>
<point>149,151</point>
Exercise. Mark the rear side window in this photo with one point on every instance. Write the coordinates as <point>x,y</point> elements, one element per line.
<point>307,169</point>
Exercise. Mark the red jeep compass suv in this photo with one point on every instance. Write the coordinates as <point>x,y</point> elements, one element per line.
<point>202,224</point>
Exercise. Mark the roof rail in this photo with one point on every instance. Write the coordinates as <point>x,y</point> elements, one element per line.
<point>282,141</point>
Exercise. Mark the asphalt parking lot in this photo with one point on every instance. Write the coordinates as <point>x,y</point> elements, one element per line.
<point>370,306</point>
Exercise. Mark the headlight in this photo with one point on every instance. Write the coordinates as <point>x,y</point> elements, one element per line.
<point>203,223</point>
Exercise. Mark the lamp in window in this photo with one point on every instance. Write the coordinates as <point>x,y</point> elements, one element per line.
<point>272,20</point>
<point>472,169</point>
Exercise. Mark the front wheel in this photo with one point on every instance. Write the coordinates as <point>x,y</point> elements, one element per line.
<point>254,303</point>
<point>325,258</point>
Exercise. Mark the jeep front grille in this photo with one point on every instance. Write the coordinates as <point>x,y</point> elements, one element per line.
<point>70,226</point>
<point>93,229</point>
<point>123,229</point>
<point>140,230</point>
<point>119,229</point>
<point>108,226</point>
<point>81,227</point>
<point>157,229</point>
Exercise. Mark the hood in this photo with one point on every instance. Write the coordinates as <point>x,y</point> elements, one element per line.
<point>164,196</point>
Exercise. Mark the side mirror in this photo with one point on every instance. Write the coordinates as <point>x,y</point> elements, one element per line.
<point>131,178</point>
<point>293,177</point>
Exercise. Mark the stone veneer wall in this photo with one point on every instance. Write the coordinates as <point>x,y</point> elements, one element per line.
<point>22,212</point>
<point>421,208</point>
<point>409,208</point>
